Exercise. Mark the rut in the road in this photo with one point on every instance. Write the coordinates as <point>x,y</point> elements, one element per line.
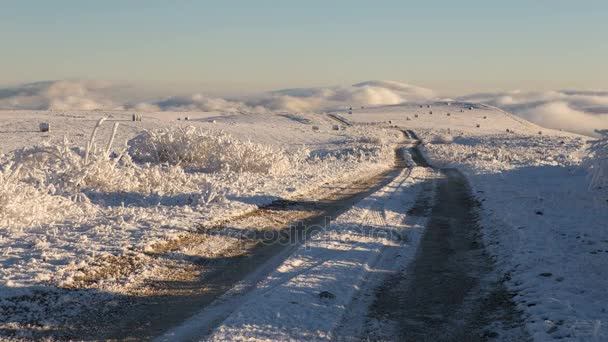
<point>449,292</point>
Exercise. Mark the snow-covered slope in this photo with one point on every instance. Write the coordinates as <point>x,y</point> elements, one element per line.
<point>459,117</point>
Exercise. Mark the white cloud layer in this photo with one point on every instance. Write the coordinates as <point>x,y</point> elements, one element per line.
<point>303,99</point>
<point>90,95</point>
<point>58,95</point>
<point>571,110</point>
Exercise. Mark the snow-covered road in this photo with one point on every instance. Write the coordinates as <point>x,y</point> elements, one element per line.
<point>307,296</point>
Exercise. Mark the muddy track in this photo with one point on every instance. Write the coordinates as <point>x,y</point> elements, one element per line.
<point>450,291</point>
<point>264,239</point>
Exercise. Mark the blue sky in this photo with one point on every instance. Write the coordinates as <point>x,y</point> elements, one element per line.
<point>452,46</point>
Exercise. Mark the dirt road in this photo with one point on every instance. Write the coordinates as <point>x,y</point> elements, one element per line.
<point>450,292</point>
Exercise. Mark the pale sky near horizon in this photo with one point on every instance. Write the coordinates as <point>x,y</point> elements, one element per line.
<point>451,46</point>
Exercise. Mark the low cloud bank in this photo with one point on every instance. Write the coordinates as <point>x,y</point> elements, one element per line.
<point>91,95</point>
<point>571,110</point>
<point>58,95</point>
<point>302,99</point>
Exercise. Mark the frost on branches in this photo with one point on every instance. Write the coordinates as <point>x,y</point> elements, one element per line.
<point>207,150</point>
<point>24,205</point>
<point>597,162</point>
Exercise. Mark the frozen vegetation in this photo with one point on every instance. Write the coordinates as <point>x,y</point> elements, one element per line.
<point>597,162</point>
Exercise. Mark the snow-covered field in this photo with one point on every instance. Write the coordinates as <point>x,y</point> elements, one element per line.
<point>543,224</point>
<point>546,229</point>
<point>64,213</point>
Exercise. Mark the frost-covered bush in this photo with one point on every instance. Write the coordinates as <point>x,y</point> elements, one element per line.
<point>209,193</point>
<point>48,183</point>
<point>493,153</point>
<point>66,170</point>
<point>25,205</point>
<point>207,150</point>
<point>69,170</point>
<point>373,135</point>
<point>356,154</point>
<point>366,144</point>
<point>597,162</point>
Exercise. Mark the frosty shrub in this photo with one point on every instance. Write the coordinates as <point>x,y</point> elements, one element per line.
<point>368,153</point>
<point>25,205</point>
<point>208,193</point>
<point>69,170</point>
<point>46,184</point>
<point>211,151</point>
<point>597,161</point>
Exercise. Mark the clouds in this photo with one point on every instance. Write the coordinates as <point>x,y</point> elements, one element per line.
<point>571,110</point>
<point>59,95</point>
<point>304,99</point>
<point>196,102</point>
<point>561,115</point>
<point>92,95</point>
<point>370,93</point>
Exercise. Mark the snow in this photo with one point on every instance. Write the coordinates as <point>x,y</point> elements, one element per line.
<point>543,224</point>
<point>373,237</point>
<point>547,231</point>
<point>598,160</point>
<point>63,214</point>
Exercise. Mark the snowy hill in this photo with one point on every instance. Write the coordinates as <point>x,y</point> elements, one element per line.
<point>457,116</point>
